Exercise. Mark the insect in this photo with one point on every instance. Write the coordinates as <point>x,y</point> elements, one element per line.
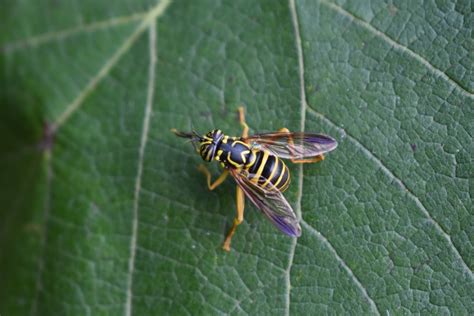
<point>255,162</point>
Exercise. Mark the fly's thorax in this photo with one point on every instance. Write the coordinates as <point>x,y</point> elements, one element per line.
<point>233,152</point>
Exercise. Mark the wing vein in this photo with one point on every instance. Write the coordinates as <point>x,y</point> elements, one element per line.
<point>372,157</point>
<point>141,154</point>
<point>394,44</point>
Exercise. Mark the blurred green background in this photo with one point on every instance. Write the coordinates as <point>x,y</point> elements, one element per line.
<point>102,209</point>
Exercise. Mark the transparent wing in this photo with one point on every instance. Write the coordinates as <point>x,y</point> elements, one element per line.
<point>270,201</point>
<point>297,145</point>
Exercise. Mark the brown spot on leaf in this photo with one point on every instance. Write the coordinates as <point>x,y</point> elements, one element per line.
<point>47,141</point>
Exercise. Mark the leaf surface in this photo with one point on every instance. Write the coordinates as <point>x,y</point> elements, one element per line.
<point>104,211</point>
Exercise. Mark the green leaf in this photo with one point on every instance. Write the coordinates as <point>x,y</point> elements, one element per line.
<point>104,211</point>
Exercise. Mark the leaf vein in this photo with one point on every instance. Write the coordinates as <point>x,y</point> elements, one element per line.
<point>59,35</point>
<point>303,108</point>
<point>46,214</point>
<point>199,273</point>
<point>358,21</point>
<point>294,242</point>
<point>372,157</point>
<point>156,12</point>
<point>343,264</point>
<point>141,154</point>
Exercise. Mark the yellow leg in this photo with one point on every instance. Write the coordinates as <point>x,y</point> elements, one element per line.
<point>245,132</point>
<point>310,160</point>
<point>293,160</point>
<point>238,219</point>
<point>216,183</point>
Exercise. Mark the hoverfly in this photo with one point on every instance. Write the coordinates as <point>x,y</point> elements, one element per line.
<point>255,162</point>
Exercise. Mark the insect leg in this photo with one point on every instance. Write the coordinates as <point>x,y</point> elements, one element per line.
<point>216,183</point>
<point>245,132</point>
<point>294,160</point>
<point>238,219</point>
<point>309,160</point>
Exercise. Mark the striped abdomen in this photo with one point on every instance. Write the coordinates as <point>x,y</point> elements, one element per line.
<point>272,168</point>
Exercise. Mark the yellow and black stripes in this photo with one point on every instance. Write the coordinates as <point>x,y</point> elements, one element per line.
<point>269,169</point>
<point>232,152</point>
<point>282,180</point>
